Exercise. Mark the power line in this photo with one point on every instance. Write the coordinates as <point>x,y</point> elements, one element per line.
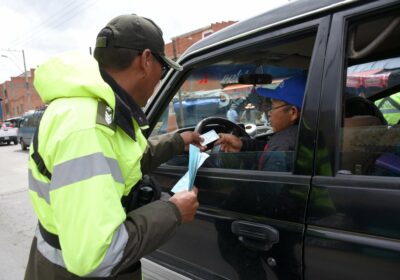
<point>44,22</point>
<point>34,37</point>
<point>13,61</point>
<point>12,56</point>
<point>54,21</point>
<point>13,53</point>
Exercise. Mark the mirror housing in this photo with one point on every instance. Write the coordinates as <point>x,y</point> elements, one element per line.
<point>255,79</point>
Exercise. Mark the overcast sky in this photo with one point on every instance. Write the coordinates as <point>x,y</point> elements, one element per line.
<point>45,27</point>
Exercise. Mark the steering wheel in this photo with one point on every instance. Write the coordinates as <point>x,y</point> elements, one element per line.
<point>229,127</point>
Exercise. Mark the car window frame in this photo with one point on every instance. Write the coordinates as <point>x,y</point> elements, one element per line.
<point>334,78</point>
<point>319,25</point>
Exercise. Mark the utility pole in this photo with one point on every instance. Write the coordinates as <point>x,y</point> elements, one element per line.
<point>26,75</point>
<point>174,52</point>
<point>28,95</point>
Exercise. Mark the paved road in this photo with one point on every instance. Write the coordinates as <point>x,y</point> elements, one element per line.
<point>17,220</point>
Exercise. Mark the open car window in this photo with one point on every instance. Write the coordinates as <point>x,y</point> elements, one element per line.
<point>215,89</point>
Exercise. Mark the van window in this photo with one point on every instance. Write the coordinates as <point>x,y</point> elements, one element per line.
<point>215,90</point>
<point>371,98</point>
<point>29,121</point>
<point>23,122</point>
<point>37,116</point>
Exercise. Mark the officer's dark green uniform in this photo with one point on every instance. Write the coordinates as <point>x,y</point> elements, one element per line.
<point>91,142</point>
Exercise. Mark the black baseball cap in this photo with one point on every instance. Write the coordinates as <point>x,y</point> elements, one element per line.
<point>137,33</point>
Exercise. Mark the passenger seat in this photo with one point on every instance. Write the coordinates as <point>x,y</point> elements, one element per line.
<point>363,126</point>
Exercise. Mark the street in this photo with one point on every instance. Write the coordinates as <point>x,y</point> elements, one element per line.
<point>17,219</point>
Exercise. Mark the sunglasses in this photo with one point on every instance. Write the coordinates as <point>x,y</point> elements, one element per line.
<point>164,67</point>
<point>277,107</point>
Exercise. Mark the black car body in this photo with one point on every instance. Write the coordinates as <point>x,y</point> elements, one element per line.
<point>335,213</point>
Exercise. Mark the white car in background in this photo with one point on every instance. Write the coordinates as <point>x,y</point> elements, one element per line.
<point>8,133</point>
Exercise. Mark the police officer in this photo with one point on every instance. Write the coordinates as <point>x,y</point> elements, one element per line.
<point>89,152</point>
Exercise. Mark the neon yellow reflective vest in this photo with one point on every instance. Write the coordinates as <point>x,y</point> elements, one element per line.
<point>390,108</point>
<point>93,165</point>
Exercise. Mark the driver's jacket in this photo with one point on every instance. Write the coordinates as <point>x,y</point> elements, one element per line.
<point>91,142</point>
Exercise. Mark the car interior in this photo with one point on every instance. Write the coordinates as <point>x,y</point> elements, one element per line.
<point>371,107</point>
<point>216,87</point>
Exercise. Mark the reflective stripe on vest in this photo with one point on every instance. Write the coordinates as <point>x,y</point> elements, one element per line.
<point>83,168</point>
<point>112,258</point>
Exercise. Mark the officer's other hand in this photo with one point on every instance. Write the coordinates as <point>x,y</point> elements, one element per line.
<point>229,142</point>
<point>187,204</point>
<point>194,138</point>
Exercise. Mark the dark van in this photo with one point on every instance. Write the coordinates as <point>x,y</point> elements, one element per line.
<point>334,214</point>
<point>27,127</point>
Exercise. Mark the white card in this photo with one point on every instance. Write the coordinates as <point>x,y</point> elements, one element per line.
<point>209,137</point>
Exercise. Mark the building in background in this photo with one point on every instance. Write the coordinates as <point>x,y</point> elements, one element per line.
<point>18,95</point>
<point>182,42</point>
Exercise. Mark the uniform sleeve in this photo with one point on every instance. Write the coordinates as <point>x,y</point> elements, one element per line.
<point>93,229</point>
<point>149,226</point>
<point>160,149</point>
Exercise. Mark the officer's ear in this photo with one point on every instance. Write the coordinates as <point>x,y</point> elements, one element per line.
<point>146,60</point>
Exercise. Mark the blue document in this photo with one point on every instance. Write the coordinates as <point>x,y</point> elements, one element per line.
<point>196,159</point>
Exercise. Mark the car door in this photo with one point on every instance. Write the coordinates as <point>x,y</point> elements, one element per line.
<point>250,223</point>
<point>30,128</point>
<point>23,128</point>
<point>353,230</point>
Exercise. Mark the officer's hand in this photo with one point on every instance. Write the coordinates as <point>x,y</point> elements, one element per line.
<point>229,142</point>
<point>187,204</point>
<point>194,138</point>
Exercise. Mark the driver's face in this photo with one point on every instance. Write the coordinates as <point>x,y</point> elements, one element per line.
<point>282,115</point>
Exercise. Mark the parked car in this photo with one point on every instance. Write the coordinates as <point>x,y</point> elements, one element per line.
<point>29,123</point>
<point>334,214</point>
<point>14,121</point>
<point>8,133</point>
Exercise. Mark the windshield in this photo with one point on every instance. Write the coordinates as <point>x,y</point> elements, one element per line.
<point>214,89</point>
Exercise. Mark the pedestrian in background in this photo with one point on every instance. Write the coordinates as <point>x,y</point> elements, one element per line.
<point>90,152</point>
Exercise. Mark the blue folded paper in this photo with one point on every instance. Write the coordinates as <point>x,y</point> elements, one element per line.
<point>196,159</point>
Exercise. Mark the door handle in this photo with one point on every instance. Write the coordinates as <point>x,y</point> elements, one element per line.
<point>255,236</point>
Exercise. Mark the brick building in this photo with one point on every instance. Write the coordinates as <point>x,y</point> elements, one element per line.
<point>182,42</point>
<point>19,96</point>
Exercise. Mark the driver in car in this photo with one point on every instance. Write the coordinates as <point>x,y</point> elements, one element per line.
<point>284,115</point>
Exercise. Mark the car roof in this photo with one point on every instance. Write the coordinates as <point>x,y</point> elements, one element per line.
<point>288,12</point>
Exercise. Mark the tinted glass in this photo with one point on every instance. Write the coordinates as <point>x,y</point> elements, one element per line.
<point>371,99</point>
<point>217,89</point>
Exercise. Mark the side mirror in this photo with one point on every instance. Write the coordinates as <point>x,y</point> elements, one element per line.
<point>255,79</point>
